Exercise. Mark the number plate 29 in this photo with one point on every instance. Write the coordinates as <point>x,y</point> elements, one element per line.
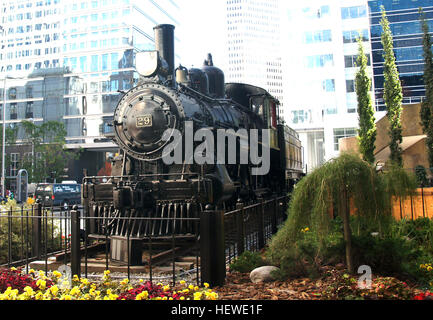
<point>144,121</point>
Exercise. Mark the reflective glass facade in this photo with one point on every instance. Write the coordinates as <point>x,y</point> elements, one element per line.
<point>72,59</point>
<point>407,35</point>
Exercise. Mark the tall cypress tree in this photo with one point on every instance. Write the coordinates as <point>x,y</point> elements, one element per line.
<point>392,91</point>
<point>426,113</point>
<point>367,126</point>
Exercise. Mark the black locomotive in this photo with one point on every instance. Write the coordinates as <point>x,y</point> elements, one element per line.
<point>170,103</point>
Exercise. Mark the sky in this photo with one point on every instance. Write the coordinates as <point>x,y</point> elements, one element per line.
<point>202,31</point>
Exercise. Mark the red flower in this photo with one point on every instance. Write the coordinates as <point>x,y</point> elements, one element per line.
<point>15,280</point>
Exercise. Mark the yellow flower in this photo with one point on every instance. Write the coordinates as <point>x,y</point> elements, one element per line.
<point>213,295</point>
<point>124,282</point>
<point>57,274</point>
<point>191,287</point>
<point>66,297</point>
<point>142,296</point>
<point>197,295</point>
<point>42,284</point>
<point>75,291</point>
<point>29,290</point>
<point>182,282</point>
<point>54,290</point>
<point>14,269</point>
<point>166,288</point>
<point>206,285</point>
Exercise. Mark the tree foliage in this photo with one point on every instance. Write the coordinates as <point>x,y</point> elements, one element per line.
<point>426,113</point>
<point>392,92</point>
<point>342,185</point>
<point>367,127</point>
<point>48,141</point>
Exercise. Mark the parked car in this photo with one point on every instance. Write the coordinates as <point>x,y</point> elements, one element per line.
<point>58,194</point>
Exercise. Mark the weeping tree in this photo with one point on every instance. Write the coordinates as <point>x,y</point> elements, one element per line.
<point>367,127</point>
<point>341,184</point>
<point>392,91</point>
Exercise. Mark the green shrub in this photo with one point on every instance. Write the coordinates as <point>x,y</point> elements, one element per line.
<point>247,262</point>
<point>21,233</point>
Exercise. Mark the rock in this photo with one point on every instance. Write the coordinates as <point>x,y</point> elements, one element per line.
<point>263,274</point>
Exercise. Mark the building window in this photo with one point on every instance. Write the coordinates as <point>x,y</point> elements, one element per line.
<point>301,116</point>
<point>12,93</point>
<point>350,86</point>
<point>353,12</point>
<point>13,111</point>
<point>15,158</point>
<point>29,110</point>
<point>350,61</point>
<point>353,35</point>
<point>320,61</point>
<point>318,36</point>
<point>343,133</point>
<point>328,85</point>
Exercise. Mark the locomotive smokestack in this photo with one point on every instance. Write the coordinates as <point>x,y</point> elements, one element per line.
<point>164,43</point>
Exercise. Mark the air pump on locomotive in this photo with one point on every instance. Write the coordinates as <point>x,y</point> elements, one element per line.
<point>168,100</point>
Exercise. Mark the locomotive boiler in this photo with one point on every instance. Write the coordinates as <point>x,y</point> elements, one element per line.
<point>186,140</point>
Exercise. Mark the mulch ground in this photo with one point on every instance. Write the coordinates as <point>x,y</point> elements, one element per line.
<point>238,286</point>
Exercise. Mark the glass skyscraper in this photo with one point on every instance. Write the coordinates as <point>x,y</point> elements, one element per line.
<point>70,61</point>
<point>407,34</point>
<point>254,51</point>
<point>320,72</point>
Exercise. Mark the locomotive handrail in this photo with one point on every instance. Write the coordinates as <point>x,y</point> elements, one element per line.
<point>143,175</point>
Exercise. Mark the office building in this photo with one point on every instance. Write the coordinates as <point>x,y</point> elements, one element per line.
<point>405,26</point>
<point>70,61</point>
<point>253,44</point>
<point>320,68</point>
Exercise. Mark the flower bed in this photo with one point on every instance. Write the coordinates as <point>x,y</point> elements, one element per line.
<point>345,287</point>
<point>15,285</point>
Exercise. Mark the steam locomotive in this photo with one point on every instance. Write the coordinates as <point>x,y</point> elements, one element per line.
<point>168,115</point>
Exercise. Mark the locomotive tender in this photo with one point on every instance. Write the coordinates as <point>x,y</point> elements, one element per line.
<point>169,101</point>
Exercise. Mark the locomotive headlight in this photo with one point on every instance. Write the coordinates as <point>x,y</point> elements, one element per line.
<point>149,64</point>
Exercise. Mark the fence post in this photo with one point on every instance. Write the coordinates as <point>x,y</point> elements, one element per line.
<point>212,247</point>
<point>240,228</point>
<point>261,227</point>
<point>75,242</point>
<point>37,230</point>
<point>274,216</point>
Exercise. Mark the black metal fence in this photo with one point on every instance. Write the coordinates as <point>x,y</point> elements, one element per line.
<point>52,237</point>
